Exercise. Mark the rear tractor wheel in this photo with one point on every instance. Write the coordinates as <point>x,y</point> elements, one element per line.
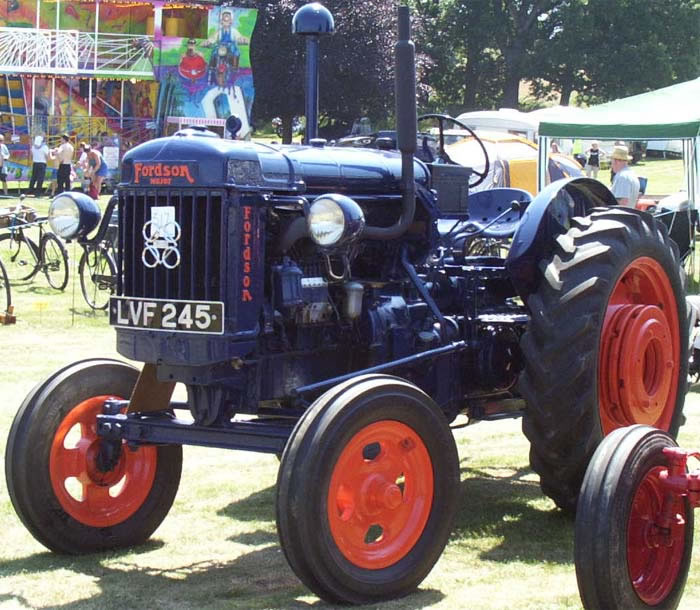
<point>65,493</point>
<point>606,346</point>
<point>367,490</point>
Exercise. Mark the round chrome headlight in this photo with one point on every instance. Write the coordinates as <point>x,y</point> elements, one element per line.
<point>72,214</point>
<point>334,220</point>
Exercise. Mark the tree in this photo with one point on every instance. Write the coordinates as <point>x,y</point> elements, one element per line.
<point>479,50</point>
<point>638,46</point>
<point>356,64</point>
<point>557,60</point>
<point>458,68</point>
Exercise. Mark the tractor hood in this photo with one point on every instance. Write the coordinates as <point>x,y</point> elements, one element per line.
<point>201,159</point>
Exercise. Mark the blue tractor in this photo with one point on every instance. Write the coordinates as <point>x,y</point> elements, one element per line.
<point>340,308</point>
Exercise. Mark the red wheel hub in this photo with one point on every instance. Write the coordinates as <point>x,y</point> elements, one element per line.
<point>93,497</point>
<point>380,494</point>
<point>654,553</point>
<point>640,347</point>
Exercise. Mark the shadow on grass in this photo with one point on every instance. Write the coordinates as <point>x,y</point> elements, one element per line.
<point>89,312</point>
<point>498,513</point>
<point>258,506</point>
<point>500,505</point>
<point>259,579</point>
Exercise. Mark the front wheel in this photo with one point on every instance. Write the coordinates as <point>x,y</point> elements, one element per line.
<point>367,490</point>
<point>67,496</point>
<point>20,255</point>
<point>633,539</point>
<point>54,258</point>
<point>606,346</point>
<point>98,276</point>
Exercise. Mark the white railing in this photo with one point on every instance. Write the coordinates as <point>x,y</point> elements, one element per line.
<point>115,54</point>
<point>73,53</point>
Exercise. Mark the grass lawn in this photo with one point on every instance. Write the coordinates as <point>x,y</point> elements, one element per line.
<point>218,546</point>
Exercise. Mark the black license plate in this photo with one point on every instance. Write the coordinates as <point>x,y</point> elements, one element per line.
<point>174,316</point>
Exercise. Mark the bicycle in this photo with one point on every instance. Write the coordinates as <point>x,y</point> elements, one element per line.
<point>21,255</point>
<point>97,268</point>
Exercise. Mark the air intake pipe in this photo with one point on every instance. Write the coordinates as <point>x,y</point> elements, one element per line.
<point>406,131</point>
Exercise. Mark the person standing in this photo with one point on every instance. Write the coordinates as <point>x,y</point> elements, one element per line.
<point>4,156</point>
<point>593,158</point>
<point>625,184</point>
<point>82,166</point>
<point>97,171</point>
<point>40,155</point>
<point>64,156</point>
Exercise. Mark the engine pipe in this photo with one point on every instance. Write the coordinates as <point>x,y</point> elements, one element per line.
<point>455,346</point>
<point>406,128</point>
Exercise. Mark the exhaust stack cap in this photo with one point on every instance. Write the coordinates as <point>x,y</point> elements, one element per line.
<point>313,19</point>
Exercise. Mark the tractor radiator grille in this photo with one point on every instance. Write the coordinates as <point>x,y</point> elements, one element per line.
<point>201,245</point>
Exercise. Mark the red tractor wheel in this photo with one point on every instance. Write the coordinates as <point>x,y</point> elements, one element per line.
<point>367,490</point>
<point>633,541</point>
<point>67,498</point>
<point>607,344</point>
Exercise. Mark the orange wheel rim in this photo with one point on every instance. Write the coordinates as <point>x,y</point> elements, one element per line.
<point>380,494</point>
<point>654,554</point>
<point>92,497</point>
<point>640,347</point>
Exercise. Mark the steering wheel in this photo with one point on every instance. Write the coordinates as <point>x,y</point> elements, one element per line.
<point>442,153</point>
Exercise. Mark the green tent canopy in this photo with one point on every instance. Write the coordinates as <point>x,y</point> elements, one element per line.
<point>671,113</point>
<point>665,114</point>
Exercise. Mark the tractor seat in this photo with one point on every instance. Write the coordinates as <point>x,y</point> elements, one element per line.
<point>486,205</point>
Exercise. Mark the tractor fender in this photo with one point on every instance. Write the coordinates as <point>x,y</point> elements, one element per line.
<point>548,216</point>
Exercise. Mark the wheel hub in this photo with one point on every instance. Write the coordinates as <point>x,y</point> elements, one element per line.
<point>638,357</point>
<point>654,553</point>
<point>639,349</point>
<point>86,490</point>
<point>380,494</point>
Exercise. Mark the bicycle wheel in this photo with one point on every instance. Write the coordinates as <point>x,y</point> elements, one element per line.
<point>98,276</point>
<point>54,258</point>
<point>5,295</point>
<point>20,256</point>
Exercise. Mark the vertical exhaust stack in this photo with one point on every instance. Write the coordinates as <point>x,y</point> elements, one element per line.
<point>406,130</point>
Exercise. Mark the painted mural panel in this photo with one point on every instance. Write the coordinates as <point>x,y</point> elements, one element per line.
<point>211,77</point>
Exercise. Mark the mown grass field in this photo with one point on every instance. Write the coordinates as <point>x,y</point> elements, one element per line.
<point>218,547</point>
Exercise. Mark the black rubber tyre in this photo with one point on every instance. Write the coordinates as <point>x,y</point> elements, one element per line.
<point>20,256</point>
<point>98,276</point>
<point>370,453</point>
<point>590,364</point>
<point>54,257</point>
<point>618,562</point>
<point>5,292</point>
<point>53,440</point>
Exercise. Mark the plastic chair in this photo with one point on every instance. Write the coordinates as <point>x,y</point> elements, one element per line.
<point>642,185</point>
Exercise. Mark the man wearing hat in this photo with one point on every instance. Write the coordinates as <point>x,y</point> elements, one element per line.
<point>625,184</point>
